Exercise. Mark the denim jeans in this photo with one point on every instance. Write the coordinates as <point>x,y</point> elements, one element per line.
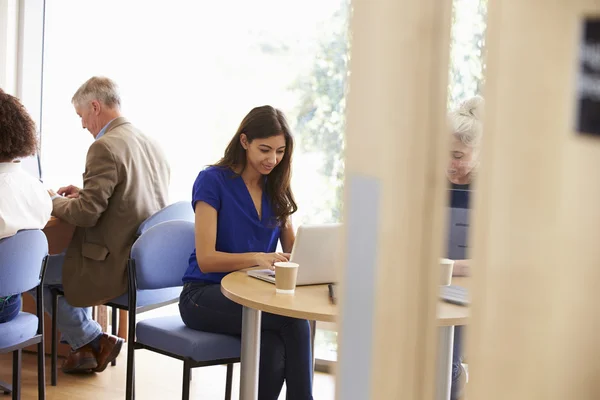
<point>457,357</point>
<point>10,308</point>
<point>76,324</point>
<point>285,352</point>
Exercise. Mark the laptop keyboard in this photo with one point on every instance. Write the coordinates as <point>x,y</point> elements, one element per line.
<point>455,295</point>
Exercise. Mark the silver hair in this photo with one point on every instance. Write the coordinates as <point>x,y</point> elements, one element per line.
<point>99,88</point>
<point>466,121</point>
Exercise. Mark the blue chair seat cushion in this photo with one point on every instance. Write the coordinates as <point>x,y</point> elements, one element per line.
<point>170,334</point>
<point>148,297</point>
<point>18,330</point>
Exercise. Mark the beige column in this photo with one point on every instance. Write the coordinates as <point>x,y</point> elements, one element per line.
<point>395,196</point>
<point>534,331</point>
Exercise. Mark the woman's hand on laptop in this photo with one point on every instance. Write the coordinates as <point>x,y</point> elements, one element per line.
<point>268,260</point>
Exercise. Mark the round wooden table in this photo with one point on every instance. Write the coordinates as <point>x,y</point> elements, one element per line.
<point>309,302</point>
<point>312,303</point>
<point>452,314</point>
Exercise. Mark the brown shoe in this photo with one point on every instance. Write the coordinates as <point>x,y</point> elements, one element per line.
<point>82,360</point>
<point>110,347</point>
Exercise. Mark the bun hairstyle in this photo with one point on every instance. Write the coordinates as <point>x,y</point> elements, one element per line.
<point>466,121</point>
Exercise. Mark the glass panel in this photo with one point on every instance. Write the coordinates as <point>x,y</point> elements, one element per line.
<point>467,50</point>
<point>187,78</point>
<point>326,345</point>
<point>190,70</point>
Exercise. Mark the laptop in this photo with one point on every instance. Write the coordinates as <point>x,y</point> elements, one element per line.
<point>455,295</point>
<point>317,250</point>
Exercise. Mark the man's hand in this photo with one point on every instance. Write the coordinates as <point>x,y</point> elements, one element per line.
<point>461,268</point>
<point>70,192</point>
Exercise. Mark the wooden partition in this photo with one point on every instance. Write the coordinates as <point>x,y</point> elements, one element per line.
<point>535,319</point>
<point>395,193</point>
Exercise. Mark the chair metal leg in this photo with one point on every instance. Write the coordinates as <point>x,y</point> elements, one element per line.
<point>16,393</point>
<point>114,318</point>
<point>54,350</point>
<point>185,392</point>
<point>130,385</point>
<point>41,371</point>
<point>228,382</point>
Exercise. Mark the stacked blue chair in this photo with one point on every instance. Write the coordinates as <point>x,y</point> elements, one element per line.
<point>158,261</point>
<point>23,260</point>
<point>146,299</point>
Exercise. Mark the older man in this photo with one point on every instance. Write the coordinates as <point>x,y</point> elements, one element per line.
<point>125,181</point>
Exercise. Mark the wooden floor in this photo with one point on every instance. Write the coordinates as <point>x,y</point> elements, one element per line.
<point>157,377</point>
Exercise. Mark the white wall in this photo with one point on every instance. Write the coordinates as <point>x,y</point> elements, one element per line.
<point>21,52</point>
<point>8,45</point>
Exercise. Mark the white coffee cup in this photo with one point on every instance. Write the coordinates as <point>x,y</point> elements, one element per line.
<point>446,267</point>
<point>286,274</point>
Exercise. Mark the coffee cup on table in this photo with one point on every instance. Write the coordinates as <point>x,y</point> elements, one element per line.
<point>446,267</point>
<point>285,277</point>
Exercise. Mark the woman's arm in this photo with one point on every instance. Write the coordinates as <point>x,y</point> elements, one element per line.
<point>288,236</point>
<point>211,260</point>
<point>462,268</point>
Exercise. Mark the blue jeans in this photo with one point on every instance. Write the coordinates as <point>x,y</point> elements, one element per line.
<point>285,352</point>
<point>76,325</point>
<point>457,370</point>
<point>10,308</point>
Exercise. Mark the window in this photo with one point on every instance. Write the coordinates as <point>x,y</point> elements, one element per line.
<point>466,50</point>
<point>190,70</point>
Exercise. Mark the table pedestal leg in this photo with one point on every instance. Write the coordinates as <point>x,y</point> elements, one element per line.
<point>250,356</point>
<point>443,377</point>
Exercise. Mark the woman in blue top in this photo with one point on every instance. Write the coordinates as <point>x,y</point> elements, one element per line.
<point>243,206</point>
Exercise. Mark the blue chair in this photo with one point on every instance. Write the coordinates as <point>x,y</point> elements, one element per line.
<point>23,260</point>
<point>159,259</point>
<point>146,299</point>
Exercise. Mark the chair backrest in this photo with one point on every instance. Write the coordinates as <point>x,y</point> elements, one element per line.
<point>21,258</point>
<point>182,210</point>
<point>162,253</point>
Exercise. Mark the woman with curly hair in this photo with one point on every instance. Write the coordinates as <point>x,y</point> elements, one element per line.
<point>24,203</point>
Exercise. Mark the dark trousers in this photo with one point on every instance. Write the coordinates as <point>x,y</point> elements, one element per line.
<point>457,370</point>
<point>10,308</point>
<point>285,351</point>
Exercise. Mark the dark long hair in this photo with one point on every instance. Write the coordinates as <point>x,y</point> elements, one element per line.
<point>261,123</point>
